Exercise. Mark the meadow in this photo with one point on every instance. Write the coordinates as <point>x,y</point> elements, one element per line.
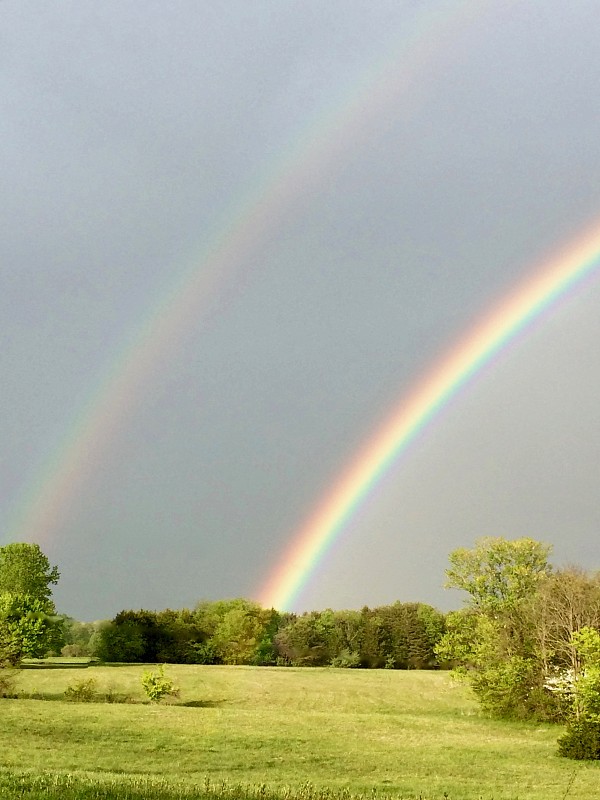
<point>259,732</point>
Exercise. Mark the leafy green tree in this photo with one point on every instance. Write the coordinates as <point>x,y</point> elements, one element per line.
<point>374,652</point>
<point>182,638</point>
<point>495,637</point>
<point>586,642</point>
<point>302,641</point>
<point>208,614</point>
<point>499,573</point>
<point>433,627</point>
<point>28,622</point>
<point>346,639</point>
<point>119,643</point>
<point>25,570</point>
<point>266,651</point>
<point>393,629</point>
<point>236,631</point>
<point>153,635</point>
<point>582,694</point>
<point>240,633</point>
<point>26,628</point>
<point>457,647</point>
<point>580,690</point>
<point>401,636</point>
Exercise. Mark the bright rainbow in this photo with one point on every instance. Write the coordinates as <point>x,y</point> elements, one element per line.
<point>490,335</point>
<point>45,503</point>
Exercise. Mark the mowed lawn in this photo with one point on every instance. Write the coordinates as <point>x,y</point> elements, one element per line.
<point>404,733</point>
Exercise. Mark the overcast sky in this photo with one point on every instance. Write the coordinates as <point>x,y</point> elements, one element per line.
<point>419,158</point>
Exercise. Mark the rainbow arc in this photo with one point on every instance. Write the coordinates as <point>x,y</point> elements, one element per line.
<point>555,279</point>
<point>43,508</point>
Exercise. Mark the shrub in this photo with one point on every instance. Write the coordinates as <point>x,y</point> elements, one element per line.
<point>581,740</point>
<point>514,689</point>
<point>119,643</point>
<point>157,685</point>
<point>348,659</point>
<point>83,691</point>
<point>202,653</point>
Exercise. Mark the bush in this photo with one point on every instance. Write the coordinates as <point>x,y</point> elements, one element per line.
<point>514,689</point>
<point>119,643</point>
<point>349,659</point>
<point>82,692</point>
<point>157,685</point>
<point>202,653</point>
<point>581,740</point>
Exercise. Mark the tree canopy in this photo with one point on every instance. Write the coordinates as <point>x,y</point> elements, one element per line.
<point>24,569</point>
<point>498,573</point>
<point>28,626</point>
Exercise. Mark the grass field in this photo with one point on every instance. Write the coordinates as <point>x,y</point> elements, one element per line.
<point>404,734</point>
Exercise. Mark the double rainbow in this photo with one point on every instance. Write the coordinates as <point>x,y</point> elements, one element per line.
<point>45,503</point>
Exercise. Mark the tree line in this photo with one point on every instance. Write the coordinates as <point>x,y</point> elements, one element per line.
<point>398,636</point>
<point>239,631</point>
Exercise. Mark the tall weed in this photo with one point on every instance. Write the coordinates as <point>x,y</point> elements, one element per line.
<point>67,786</point>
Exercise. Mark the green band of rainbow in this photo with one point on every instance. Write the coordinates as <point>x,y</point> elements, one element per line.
<point>432,394</point>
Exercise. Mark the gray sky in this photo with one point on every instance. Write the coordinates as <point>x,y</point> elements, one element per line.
<point>423,157</point>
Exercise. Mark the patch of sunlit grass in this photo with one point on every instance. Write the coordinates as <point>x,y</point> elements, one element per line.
<point>408,734</point>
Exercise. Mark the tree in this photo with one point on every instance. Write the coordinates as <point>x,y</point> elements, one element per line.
<point>302,641</point>
<point>184,641</point>
<point>582,694</point>
<point>28,622</point>
<point>499,573</point>
<point>496,636</point>
<point>266,652</point>
<point>236,631</point>
<point>24,569</point>
<point>457,646</point>
<point>119,643</point>
<point>239,636</point>
<point>27,629</point>
<point>566,601</point>
<point>152,633</point>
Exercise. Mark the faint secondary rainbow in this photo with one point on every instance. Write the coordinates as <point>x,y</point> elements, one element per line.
<point>45,502</point>
<point>483,341</point>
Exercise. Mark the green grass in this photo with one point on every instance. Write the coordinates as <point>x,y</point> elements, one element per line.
<point>57,662</point>
<point>406,734</point>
